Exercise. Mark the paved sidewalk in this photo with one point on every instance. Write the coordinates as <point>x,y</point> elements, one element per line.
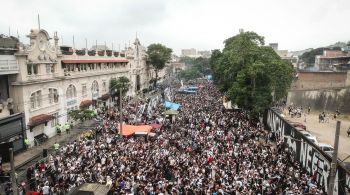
<point>26,156</point>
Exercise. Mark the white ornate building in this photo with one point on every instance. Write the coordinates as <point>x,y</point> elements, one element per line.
<point>51,83</point>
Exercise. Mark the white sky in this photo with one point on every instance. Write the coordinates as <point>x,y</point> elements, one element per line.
<point>200,24</point>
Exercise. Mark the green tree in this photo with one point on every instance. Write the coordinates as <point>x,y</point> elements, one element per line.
<point>158,55</point>
<point>190,73</point>
<point>122,83</point>
<point>251,74</point>
<point>215,66</point>
<point>82,114</point>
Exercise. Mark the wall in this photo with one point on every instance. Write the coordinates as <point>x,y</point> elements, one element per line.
<point>321,91</point>
<point>321,99</point>
<point>311,158</point>
<point>320,80</point>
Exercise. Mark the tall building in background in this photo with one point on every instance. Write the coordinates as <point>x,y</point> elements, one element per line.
<point>274,46</point>
<point>189,52</point>
<point>194,54</point>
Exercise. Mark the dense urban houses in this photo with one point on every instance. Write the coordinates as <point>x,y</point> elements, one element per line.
<point>332,60</point>
<point>44,81</point>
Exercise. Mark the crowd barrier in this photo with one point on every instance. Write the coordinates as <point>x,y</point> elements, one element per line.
<point>309,155</point>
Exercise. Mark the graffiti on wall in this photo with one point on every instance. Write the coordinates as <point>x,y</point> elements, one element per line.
<point>310,157</point>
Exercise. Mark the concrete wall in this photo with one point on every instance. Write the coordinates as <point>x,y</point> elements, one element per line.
<point>321,91</point>
<point>321,99</point>
<point>320,80</point>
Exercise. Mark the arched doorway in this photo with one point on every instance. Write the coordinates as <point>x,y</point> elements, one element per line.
<point>138,83</point>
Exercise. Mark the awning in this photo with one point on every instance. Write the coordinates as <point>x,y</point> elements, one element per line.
<point>39,119</point>
<point>172,105</point>
<point>92,61</point>
<point>85,103</point>
<point>155,126</point>
<point>128,130</point>
<point>171,112</point>
<point>105,97</point>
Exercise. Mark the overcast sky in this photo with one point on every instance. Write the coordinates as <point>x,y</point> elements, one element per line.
<point>200,24</point>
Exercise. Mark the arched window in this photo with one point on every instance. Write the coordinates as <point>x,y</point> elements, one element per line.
<point>94,90</point>
<point>94,86</point>
<point>53,95</point>
<point>35,99</point>
<point>71,92</point>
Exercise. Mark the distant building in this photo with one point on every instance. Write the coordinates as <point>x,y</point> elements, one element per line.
<point>329,59</point>
<point>274,46</point>
<point>204,53</point>
<point>189,52</point>
<point>285,55</point>
<point>99,47</point>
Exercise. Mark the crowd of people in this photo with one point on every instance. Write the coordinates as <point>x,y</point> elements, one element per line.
<point>206,150</point>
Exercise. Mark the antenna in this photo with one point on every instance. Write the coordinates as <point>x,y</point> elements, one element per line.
<point>86,43</point>
<point>136,34</point>
<point>9,31</point>
<point>39,21</point>
<point>17,34</point>
<point>73,43</point>
<point>62,39</point>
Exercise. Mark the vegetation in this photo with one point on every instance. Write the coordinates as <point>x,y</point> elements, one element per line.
<point>252,75</point>
<point>190,73</point>
<point>158,55</point>
<point>196,67</point>
<point>115,85</point>
<point>82,114</point>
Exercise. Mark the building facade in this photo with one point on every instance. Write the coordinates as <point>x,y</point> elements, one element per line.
<point>331,59</point>
<point>50,83</point>
<point>12,127</point>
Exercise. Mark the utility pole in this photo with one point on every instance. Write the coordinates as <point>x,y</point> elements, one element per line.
<point>13,174</point>
<point>334,160</point>
<point>121,113</point>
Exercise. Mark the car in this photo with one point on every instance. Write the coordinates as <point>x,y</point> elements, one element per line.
<point>309,136</point>
<point>296,124</point>
<point>326,147</point>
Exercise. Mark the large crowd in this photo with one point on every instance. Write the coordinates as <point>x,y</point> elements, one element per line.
<point>206,150</point>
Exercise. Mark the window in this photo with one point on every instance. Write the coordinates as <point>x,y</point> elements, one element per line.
<point>84,90</point>
<point>50,68</point>
<point>32,69</point>
<point>104,86</point>
<point>35,99</point>
<point>53,96</point>
<point>54,121</point>
<point>71,92</point>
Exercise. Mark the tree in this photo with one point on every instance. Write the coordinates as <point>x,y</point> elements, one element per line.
<point>190,73</point>
<point>82,114</point>
<point>115,85</point>
<point>251,74</point>
<point>158,55</point>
